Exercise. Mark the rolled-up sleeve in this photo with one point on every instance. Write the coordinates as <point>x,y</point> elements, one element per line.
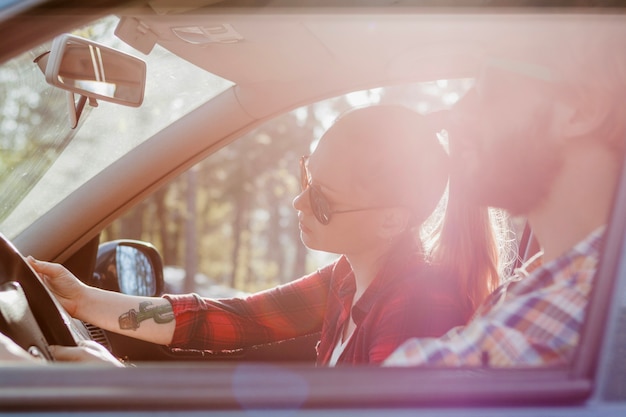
<point>284,312</point>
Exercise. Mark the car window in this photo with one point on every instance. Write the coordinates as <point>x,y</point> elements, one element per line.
<point>43,160</point>
<point>229,221</point>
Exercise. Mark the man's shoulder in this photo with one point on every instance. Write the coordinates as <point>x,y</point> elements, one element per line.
<point>579,262</point>
<point>537,280</point>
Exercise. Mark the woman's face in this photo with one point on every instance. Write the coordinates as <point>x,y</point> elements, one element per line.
<point>332,168</point>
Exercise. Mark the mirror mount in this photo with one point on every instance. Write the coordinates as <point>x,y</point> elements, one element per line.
<point>75,108</point>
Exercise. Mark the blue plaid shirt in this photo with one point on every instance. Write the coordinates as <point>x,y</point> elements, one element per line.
<point>534,319</point>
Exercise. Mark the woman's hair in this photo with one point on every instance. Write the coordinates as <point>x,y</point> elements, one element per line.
<point>399,161</point>
<point>464,245</point>
<point>403,163</point>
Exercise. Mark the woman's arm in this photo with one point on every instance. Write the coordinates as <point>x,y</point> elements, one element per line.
<point>283,312</point>
<point>146,318</point>
<point>280,313</point>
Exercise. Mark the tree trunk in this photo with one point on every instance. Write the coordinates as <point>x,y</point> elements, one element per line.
<point>191,239</point>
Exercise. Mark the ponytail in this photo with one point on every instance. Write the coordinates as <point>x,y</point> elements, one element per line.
<point>466,249</point>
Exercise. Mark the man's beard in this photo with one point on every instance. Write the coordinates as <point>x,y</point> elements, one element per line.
<point>516,172</point>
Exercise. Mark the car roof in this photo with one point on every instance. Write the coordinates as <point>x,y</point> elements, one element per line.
<point>280,55</point>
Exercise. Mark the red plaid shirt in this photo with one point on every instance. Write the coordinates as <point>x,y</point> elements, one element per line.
<point>411,302</point>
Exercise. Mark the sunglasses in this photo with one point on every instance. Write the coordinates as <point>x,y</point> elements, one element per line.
<point>319,203</point>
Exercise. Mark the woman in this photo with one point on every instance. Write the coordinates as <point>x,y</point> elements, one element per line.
<point>375,177</point>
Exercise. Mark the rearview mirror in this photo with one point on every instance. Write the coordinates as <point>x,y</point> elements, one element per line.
<point>130,267</point>
<point>94,71</point>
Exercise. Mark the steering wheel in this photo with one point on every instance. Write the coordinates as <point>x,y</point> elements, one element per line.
<point>29,313</point>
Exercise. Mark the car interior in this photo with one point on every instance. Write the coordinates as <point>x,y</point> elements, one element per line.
<point>246,68</point>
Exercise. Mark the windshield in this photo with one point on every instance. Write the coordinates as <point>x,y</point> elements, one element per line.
<point>42,160</point>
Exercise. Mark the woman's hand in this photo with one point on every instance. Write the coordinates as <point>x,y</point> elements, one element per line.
<point>67,289</point>
<point>86,351</point>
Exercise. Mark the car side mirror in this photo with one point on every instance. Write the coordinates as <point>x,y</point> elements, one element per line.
<point>93,71</point>
<point>130,267</point>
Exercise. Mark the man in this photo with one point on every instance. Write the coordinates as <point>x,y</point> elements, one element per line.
<point>541,135</point>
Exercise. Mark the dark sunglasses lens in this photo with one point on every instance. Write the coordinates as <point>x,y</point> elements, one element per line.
<point>319,205</point>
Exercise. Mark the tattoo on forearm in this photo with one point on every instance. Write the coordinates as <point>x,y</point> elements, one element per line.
<point>131,319</point>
